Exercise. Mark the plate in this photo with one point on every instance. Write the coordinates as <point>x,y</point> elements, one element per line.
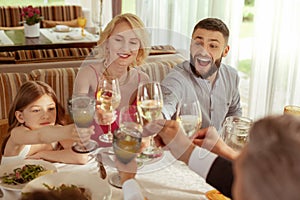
<point>149,159</point>
<point>99,188</point>
<point>6,169</point>
<point>73,37</point>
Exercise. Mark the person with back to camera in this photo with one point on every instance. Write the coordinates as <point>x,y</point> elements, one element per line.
<point>123,45</point>
<point>36,128</point>
<point>266,168</point>
<point>215,83</point>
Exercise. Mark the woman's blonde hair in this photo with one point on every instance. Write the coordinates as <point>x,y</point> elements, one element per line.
<point>270,166</point>
<point>138,27</point>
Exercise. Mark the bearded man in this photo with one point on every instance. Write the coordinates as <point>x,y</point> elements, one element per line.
<point>205,78</point>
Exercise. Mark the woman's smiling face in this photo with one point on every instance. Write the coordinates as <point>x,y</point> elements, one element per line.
<point>123,45</point>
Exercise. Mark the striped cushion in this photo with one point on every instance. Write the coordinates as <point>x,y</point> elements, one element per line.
<point>9,85</point>
<point>42,55</point>
<point>159,69</point>
<point>60,79</point>
<point>10,16</point>
<point>61,13</point>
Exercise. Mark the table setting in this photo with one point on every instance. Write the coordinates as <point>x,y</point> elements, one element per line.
<point>65,34</point>
<point>166,178</point>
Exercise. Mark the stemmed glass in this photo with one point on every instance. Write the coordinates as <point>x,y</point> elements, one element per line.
<point>81,23</point>
<point>150,103</point>
<point>109,97</point>
<point>82,109</point>
<point>292,110</point>
<point>190,117</point>
<point>127,139</point>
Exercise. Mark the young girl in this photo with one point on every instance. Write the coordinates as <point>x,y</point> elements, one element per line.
<point>35,128</point>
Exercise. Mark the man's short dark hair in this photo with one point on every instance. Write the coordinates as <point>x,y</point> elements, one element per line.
<point>213,24</point>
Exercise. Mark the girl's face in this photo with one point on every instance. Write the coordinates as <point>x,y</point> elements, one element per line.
<point>41,112</point>
<point>123,46</point>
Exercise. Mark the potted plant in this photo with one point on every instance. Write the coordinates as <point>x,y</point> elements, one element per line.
<point>32,20</point>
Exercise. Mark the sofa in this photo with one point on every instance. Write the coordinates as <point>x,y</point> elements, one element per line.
<point>10,16</point>
<point>60,76</point>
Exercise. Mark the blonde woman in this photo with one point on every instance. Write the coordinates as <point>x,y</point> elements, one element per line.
<point>123,45</point>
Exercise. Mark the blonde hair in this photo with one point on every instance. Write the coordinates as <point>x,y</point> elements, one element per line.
<point>139,29</point>
<point>270,167</point>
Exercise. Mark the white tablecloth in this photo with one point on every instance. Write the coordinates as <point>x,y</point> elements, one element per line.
<point>4,39</point>
<point>165,179</point>
<point>59,37</point>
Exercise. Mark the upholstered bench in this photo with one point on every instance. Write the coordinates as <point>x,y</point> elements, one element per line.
<point>10,16</point>
<point>62,79</point>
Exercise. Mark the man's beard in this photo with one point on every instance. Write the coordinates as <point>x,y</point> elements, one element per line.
<point>213,68</point>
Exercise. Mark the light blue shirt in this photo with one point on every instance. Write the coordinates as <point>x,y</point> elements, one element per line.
<point>217,102</point>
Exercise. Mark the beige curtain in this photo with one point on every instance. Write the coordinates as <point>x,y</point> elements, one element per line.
<point>275,62</point>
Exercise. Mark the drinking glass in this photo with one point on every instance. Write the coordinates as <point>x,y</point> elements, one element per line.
<point>82,110</point>
<point>292,110</point>
<point>236,131</point>
<point>109,98</point>
<point>127,139</point>
<point>150,103</point>
<point>189,115</point>
<point>81,23</point>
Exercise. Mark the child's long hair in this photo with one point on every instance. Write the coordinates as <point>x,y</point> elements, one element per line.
<point>28,93</point>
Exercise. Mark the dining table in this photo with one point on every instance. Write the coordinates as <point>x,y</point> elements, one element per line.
<point>14,39</point>
<point>159,178</point>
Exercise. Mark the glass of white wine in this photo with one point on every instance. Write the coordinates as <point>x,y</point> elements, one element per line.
<point>150,103</point>
<point>109,98</point>
<point>127,139</point>
<point>190,117</point>
<point>82,109</point>
<point>292,110</point>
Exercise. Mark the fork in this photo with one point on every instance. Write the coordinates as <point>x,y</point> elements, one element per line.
<point>102,169</point>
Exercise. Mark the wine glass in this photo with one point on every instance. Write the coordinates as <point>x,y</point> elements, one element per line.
<point>109,97</point>
<point>150,103</point>
<point>82,110</point>
<point>189,115</point>
<point>81,23</point>
<point>127,139</point>
<point>292,110</point>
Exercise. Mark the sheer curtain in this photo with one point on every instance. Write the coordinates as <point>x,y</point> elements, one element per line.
<point>172,21</point>
<point>275,63</point>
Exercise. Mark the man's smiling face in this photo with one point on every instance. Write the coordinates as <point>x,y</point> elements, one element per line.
<point>207,49</point>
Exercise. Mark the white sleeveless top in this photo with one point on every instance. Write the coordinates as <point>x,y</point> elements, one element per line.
<point>13,159</point>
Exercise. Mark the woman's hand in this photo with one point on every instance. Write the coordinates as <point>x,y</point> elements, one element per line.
<point>104,118</point>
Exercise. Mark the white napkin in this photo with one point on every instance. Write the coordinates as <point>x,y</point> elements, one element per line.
<point>62,28</point>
